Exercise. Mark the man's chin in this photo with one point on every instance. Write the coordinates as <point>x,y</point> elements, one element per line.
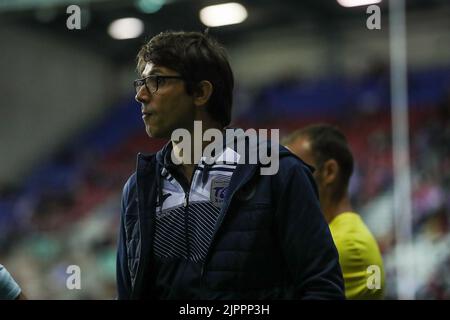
<point>150,132</point>
<point>156,134</point>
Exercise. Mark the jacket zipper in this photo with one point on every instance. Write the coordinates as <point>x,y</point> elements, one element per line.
<point>186,211</point>
<point>186,229</point>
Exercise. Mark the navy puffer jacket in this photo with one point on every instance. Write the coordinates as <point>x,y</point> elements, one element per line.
<point>271,240</point>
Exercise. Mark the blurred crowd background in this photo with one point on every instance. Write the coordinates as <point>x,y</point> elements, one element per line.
<point>70,128</point>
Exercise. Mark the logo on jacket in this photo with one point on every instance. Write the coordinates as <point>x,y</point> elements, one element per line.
<point>218,191</point>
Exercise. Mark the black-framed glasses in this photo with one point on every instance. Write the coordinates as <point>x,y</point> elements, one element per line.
<point>152,82</point>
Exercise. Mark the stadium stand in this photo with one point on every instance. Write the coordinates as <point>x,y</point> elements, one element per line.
<point>66,211</point>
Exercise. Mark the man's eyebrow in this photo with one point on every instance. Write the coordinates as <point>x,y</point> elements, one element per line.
<point>155,71</point>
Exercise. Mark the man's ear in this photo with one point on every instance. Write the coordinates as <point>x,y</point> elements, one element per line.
<point>202,93</point>
<point>330,171</point>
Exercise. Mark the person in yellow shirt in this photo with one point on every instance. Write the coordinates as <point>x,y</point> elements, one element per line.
<point>326,149</point>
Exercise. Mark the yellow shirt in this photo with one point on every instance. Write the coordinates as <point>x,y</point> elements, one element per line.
<point>359,257</point>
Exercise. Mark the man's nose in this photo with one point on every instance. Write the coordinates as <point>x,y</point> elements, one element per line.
<point>142,95</point>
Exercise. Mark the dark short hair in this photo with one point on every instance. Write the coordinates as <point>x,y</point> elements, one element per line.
<point>328,142</point>
<point>195,56</point>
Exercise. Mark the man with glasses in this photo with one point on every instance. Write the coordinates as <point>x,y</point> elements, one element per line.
<point>214,230</point>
